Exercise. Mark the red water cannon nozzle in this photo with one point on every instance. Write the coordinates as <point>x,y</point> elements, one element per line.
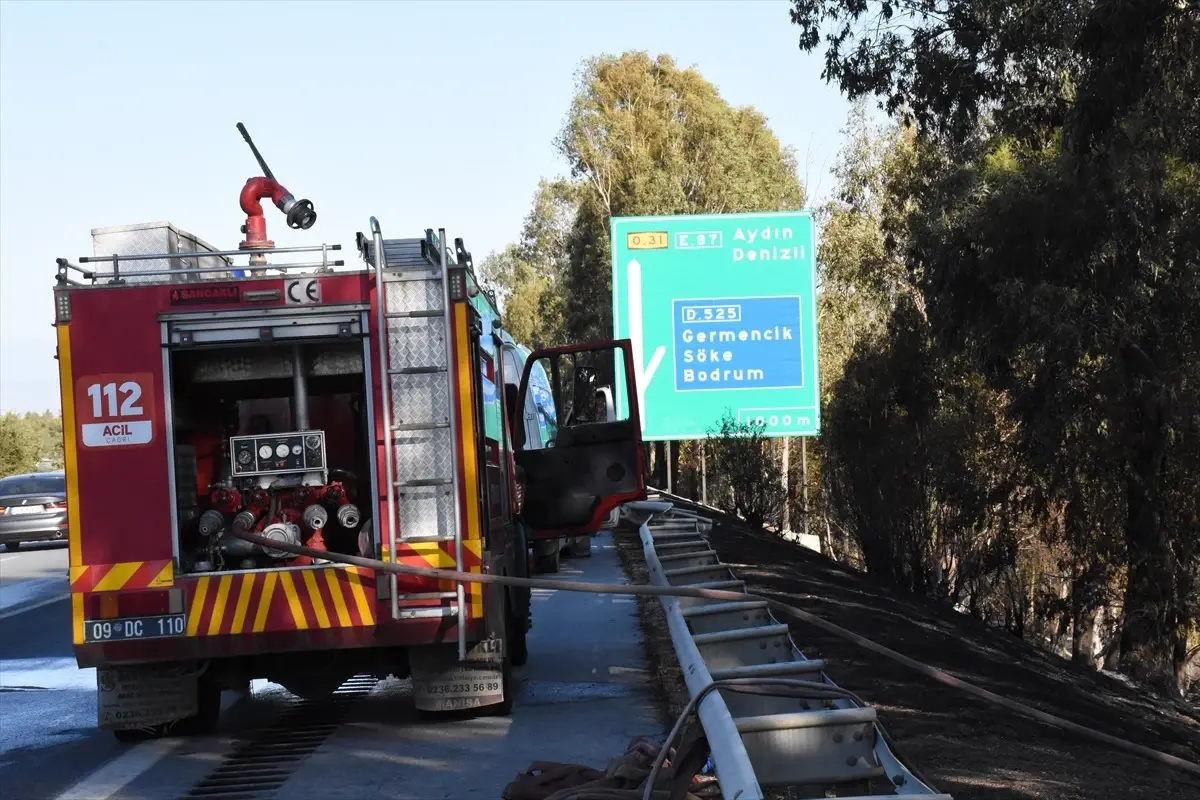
<point>300,213</point>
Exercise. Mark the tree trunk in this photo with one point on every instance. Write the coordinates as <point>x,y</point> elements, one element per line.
<point>1153,617</point>
<point>673,465</point>
<point>1085,600</point>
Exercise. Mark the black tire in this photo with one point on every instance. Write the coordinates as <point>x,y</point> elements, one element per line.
<point>505,708</point>
<point>140,734</point>
<point>522,599</point>
<point>510,690</point>
<point>547,563</point>
<point>517,644</point>
<point>208,710</point>
<point>12,547</point>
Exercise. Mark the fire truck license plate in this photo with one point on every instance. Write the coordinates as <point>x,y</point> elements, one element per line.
<point>118,630</point>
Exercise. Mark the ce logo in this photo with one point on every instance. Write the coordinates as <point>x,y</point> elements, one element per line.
<point>303,291</point>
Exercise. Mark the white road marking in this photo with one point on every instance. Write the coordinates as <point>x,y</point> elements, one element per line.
<point>46,673</point>
<point>32,606</point>
<point>121,771</point>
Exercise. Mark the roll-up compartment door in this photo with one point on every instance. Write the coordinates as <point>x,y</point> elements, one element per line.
<point>232,327</point>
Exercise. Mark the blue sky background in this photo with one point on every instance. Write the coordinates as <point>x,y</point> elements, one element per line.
<point>120,113</point>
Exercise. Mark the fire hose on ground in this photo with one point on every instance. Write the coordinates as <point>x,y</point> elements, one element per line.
<point>785,611</point>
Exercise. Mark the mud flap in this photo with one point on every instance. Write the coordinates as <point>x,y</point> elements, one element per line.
<point>133,697</point>
<point>443,683</point>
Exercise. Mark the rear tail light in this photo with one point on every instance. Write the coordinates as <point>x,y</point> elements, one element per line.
<point>55,506</point>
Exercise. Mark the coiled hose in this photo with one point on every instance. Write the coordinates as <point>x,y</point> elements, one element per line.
<point>781,609</point>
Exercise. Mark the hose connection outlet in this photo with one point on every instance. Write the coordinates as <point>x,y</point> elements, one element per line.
<point>212,522</point>
<point>285,532</point>
<point>316,517</point>
<point>244,521</point>
<point>348,516</point>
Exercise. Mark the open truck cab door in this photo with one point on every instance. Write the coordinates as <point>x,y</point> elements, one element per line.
<point>592,460</point>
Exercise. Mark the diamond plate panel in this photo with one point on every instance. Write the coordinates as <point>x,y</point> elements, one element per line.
<point>423,398</point>
<point>416,342</point>
<point>425,511</point>
<point>424,455</point>
<point>414,296</point>
<point>151,239</point>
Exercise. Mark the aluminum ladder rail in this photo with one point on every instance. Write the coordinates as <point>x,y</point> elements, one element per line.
<point>419,388</point>
<point>758,740</point>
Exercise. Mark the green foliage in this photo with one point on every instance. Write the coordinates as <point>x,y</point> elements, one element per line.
<point>530,276</point>
<point>1040,270</point>
<point>747,480</point>
<point>641,137</point>
<point>30,442</point>
<point>645,137</point>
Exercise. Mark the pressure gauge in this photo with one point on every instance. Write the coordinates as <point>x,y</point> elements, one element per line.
<point>313,442</point>
<point>245,457</point>
<point>296,449</point>
<point>264,451</point>
<point>282,450</point>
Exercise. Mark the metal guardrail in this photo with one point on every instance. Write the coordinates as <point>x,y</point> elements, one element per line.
<point>760,740</point>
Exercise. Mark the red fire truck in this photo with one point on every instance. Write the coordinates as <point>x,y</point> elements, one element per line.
<point>361,411</point>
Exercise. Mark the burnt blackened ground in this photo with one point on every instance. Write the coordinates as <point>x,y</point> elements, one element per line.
<point>965,746</point>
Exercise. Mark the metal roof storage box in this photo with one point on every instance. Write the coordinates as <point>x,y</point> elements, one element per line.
<point>150,238</point>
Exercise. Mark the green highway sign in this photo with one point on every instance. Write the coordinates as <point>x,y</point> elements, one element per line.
<point>721,310</point>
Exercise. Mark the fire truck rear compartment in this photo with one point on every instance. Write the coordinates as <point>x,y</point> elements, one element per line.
<point>306,402</point>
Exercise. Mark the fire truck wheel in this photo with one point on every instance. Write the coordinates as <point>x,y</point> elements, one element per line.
<point>139,734</point>
<point>504,708</point>
<point>208,710</point>
<point>510,688</point>
<point>547,563</point>
<point>517,645</point>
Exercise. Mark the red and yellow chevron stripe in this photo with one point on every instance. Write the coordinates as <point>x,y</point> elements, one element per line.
<point>440,555</point>
<point>128,575</point>
<point>287,600</point>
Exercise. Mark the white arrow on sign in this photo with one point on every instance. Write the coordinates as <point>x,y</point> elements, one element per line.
<point>645,372</point>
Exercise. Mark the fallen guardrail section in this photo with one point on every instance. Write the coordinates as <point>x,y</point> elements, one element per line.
<point>761,740</point>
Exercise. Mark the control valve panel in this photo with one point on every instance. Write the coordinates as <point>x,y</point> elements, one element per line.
<point>277,453</point>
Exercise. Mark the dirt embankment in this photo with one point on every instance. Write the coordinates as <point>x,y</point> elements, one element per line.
<point>965,746</point>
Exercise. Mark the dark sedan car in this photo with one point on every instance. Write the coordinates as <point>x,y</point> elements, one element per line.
<point>33,508</point>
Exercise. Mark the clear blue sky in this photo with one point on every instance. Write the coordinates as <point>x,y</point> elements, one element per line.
<point>119,113</point>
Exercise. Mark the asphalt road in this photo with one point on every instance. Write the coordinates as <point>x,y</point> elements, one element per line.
<point>582,697</point>
<point>48,736</point>
<point>35,573</point>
